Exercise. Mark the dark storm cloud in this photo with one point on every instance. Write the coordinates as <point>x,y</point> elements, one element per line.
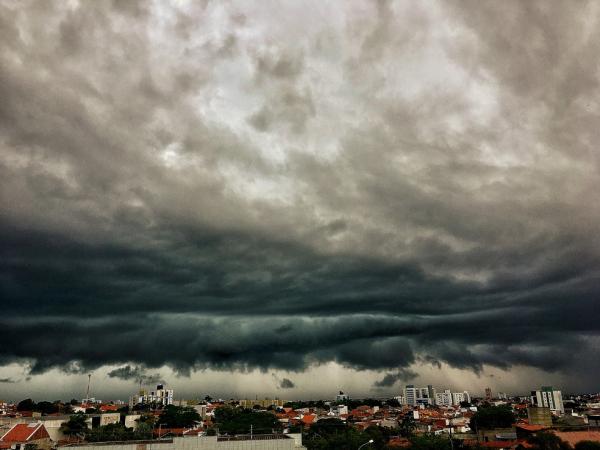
<point>135,373</point>
<point>392,378</point>
<point>380,190</point>
<point>286,383</point>
<point>283,383</point>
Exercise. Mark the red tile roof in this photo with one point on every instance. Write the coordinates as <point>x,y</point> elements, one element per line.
<point>193,432</point>
<point>23,432</point>
<point>498,444</point>
<point>399,442</point>
<point>109,408</point>
<point>308,419</point>
<point>573,437</point>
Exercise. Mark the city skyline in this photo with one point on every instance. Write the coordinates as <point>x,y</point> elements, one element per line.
<point>299,197</point>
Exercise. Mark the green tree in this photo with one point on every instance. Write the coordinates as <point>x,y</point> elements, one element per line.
<point>240,421</point>
<point>178,416</point>
<point>430,442</point>
<point>76,425</point>
<point>587,445</point>
<point>46,407</point>
<point>147,419</point>
<point>110,432</point>
<point>333,434</point>
<point>493,417</point>
<point>26,405</point>
<point>548,441</point>
<point>144,431</point>
<point>393,402</point>
<point>407,426</point>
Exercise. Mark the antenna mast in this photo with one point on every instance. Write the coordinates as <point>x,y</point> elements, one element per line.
<point>87,395</point>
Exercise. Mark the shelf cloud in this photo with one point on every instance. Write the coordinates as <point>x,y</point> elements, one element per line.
<point>381,185</point>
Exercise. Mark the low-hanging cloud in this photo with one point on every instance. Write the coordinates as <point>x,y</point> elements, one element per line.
<point>384,187</point>
<point>390,379</point>
<point>135,373</point>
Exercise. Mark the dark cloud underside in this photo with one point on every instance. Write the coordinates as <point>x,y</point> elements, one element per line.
<point>382,185</point>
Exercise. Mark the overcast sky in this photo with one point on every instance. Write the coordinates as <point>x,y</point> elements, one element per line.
<point>288,198</point>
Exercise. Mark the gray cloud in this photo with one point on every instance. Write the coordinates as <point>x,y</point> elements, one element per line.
<point>377,185</point>
<point>286,383</point>
<point>283,383</point>
<point>390,379</point>
<point>135,373</point>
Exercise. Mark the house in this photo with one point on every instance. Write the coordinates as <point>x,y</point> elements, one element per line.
<point>573,437</point>
<point>24,435</point>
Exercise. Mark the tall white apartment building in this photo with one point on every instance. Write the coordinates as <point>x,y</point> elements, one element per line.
<point>458,398</point>
<point>443,398</point>
<point>547,397</point>
<point>417,395</point>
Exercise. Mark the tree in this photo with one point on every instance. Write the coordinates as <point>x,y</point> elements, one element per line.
<point>548,441</point>
<point>240,421</point>
<point>393,402</point>
<point>76,425</point>
<point>141,407</point>
<point>407,426</point>
<point>46,407</point>
<point>493,417</point>
<point>26,405</point>
<point>144,430</point>
<point>148,419</point>
<point>430,442</point>
<point>333,434</point>
<point>587,445</point>
<point>65,408</point>
<point>110,432</point>
<point>178,416</point>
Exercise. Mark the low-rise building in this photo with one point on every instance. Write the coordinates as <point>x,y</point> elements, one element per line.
<point>23,434</point>
<point>244,442</point>
<point>161,396</point>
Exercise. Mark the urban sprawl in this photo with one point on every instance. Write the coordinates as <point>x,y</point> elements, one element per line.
<point>420,418</point>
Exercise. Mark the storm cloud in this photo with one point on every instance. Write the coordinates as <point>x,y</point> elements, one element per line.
<point>242,186</point>
<point>135,373</point>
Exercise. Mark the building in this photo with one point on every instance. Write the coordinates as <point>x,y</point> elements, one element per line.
<point>401,399</point>
<point>263,403</point>
<point>539,416</point>
<point>488,394</point>
<point>432,391</point>
<point>417,395</point>
<point>467,396</point>
<point>458,398</point>
<point>443,398</point>
<point>160,396</point>
<point>244,442</point>
<point>25,434</point>
<point>547,397</point>
<point>341,397</point>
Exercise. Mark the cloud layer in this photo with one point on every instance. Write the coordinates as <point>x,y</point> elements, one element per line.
<point>232,186</point>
